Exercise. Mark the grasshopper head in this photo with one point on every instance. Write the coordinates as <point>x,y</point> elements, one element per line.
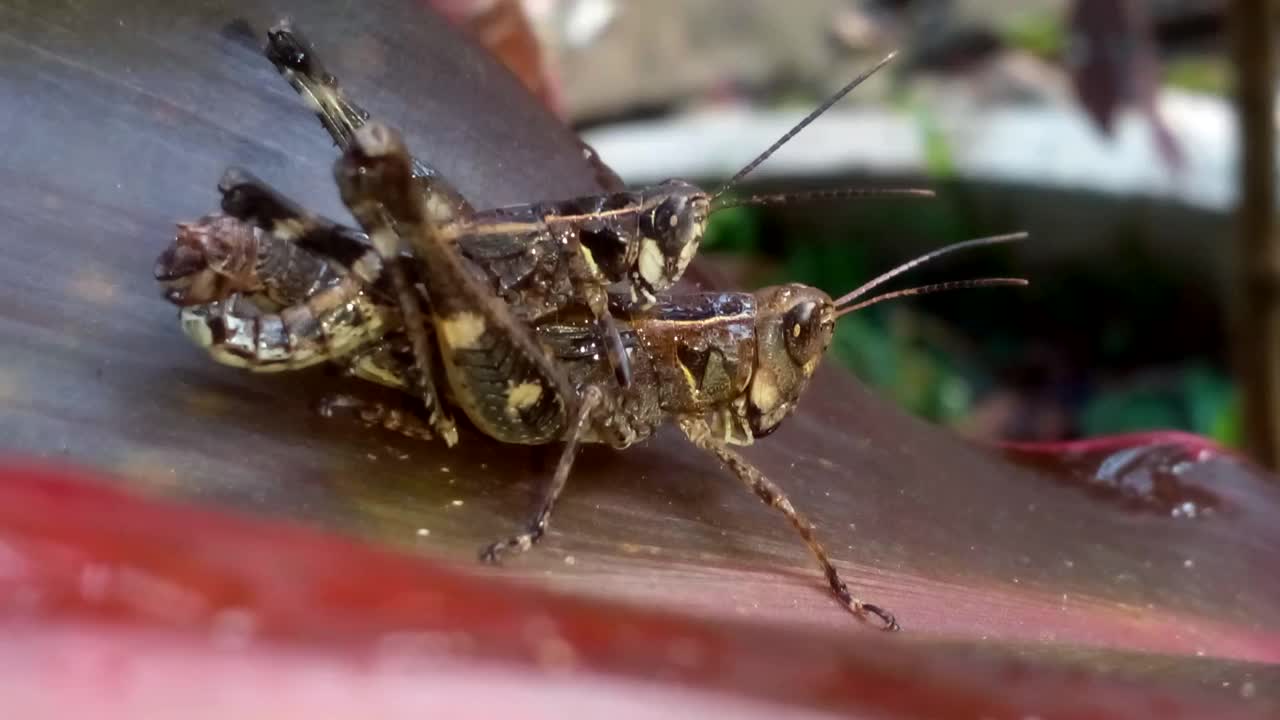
<point>670,231</point>
<point>794,327</point>
<point>795,324</point>
<point>209,260</point>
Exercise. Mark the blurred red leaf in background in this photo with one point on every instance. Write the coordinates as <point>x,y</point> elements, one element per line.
<point>503,28</point>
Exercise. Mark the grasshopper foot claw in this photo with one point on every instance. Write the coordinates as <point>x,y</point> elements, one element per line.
<point>890,622</point>
<point>492,555</point>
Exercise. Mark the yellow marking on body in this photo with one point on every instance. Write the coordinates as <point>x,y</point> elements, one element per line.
<point>374,373</point>
<point>463,330</point>
<point>651,262</point>
<point>688,251</point>
<point>386,242</point>
<point>590,258</point>
<point>795,330</point>
<point>764,391</point>
<point>368,267</point>
<point>289,229</point>
<point>688,376</point>
<point>439,209</point>
<point>523,396</point>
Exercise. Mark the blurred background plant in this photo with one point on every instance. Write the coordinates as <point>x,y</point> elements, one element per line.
<point>1106,129</point>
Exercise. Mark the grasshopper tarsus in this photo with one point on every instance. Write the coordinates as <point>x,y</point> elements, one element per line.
<point>890,622</point>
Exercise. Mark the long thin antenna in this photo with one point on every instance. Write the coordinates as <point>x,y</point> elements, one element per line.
<point>956,247</point>
<point>802,124</point>
<point>928,289</point>
<point>833,194</point>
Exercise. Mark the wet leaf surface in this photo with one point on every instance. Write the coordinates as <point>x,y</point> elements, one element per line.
<point>120,119</point>
<point>261,607</point>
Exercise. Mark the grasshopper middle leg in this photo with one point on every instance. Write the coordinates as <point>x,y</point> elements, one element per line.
<point>537,526</point>
<point>773,496</point>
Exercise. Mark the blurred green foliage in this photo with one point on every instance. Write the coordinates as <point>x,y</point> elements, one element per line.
<point>1199,74</point>
<point>1043,34</point>
<point>1198,399</point>
<point>936,357</point>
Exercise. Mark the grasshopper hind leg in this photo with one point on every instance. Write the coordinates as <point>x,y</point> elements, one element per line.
<point>296,60</point>
<point>773,496</point>
<point>537,526</point>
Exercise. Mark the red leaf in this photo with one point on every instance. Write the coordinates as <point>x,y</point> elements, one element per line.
<point>504,29</point>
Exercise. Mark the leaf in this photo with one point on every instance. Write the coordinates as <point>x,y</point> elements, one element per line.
<point>663,584</point>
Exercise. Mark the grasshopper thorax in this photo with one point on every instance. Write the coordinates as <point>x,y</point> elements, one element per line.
<point>671,228</point>
<point>794,327</point>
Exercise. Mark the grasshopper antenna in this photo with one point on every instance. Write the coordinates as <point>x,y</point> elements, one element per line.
<point>802,125</point>
<point>929,289</point>
<point>833,194</point>
<point>910,264</point>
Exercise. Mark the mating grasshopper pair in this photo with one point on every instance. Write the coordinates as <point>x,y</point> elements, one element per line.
<point>513,305</point>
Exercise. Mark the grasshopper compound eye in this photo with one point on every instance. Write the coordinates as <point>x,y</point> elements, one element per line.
<point>807,329</point>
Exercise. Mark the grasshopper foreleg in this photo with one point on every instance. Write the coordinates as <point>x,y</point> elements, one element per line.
<point>537,527</point>
<point>773,496</point>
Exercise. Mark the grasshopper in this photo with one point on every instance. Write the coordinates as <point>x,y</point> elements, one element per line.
<point>558,253</point>
<point>726,368</point>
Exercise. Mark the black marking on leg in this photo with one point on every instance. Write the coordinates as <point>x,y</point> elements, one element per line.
<point>286,48</point>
